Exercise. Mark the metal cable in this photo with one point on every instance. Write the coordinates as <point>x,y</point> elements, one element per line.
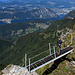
<point>37,49</point>
<point>40,54</point>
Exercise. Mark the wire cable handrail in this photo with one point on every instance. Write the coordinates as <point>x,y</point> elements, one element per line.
<point>39,54</point>
<point>37,49</point>
<point>70,41</point>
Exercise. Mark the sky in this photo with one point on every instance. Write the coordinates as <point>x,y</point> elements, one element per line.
<point>3,0</point>
<point>40,0</point>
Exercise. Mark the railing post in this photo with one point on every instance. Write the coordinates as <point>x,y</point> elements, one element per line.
<point>71,38</point>
<point>54,51</point>
<point>25,60</point>
<point>50,48</point>
<point>29,65</point>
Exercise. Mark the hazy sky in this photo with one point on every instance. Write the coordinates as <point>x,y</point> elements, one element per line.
<point>39,0</point>
<point>3,0</point>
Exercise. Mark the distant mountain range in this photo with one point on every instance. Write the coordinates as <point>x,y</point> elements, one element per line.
<point>28,9</point>
<point>44,13</point>
<point>11,13</point>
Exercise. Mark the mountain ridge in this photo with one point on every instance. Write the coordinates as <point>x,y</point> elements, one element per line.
<point>70,15</point>
<point>15,30</point>
<point>44,13</point>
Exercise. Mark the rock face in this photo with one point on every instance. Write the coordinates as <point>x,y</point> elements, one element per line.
<point>63,35</point>
<point>73,63</point>
<point>15,70</point>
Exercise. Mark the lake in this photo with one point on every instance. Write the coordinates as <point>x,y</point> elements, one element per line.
<point>22,20</point>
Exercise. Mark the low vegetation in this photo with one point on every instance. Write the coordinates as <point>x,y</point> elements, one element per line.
<point>14,30</point>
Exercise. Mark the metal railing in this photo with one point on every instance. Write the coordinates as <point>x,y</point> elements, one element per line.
<point>49,50</point>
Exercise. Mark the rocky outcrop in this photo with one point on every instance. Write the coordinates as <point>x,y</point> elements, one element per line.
<point>15,70</point>
<point>64,34</point>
